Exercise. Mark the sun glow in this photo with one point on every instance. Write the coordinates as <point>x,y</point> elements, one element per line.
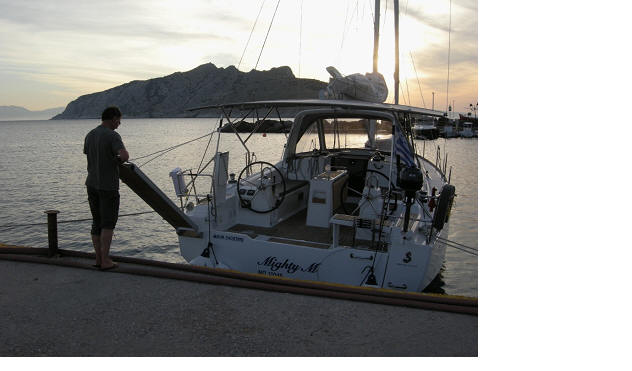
<point>78,54</point>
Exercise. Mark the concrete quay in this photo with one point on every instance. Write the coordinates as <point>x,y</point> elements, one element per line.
<point>53,310</point>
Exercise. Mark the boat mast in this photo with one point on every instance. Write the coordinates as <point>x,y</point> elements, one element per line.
<point>376,44</point>
<point>396,11</point>
<point>376,34</point>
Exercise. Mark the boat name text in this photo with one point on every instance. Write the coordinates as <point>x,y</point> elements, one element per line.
<point>230,238</point>
<point>274,265</point>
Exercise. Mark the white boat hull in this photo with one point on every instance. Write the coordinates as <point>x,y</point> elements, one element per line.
<point>292,219</point>
<point>412,267</point>
<point>410,263</point>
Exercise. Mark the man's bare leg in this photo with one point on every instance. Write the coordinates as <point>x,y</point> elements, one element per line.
<point>96,242</point>
<point>106,241</point>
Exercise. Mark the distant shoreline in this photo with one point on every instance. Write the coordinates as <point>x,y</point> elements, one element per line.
<point>17,113</point>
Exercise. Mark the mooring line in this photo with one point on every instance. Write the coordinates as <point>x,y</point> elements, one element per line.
<point>9,226</point>
<point>456,243</point>
<point>458,246</point>
<point>462,249</point>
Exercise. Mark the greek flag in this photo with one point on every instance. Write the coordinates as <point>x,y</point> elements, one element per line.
<point>402,148</point>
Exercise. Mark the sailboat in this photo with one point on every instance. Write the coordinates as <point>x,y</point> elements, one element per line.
<point>425,128</point>
<point>339,207</point>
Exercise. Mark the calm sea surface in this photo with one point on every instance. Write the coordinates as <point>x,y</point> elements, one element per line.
<point>42,167</point>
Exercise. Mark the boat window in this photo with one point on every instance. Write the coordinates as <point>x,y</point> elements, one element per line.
<point>309,140</point>
<point>345,133</point>
<point>352,132</point>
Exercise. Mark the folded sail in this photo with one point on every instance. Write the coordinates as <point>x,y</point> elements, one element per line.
<point>369,87</point>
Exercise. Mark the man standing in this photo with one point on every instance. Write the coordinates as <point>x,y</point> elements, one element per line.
<point>104,148</point>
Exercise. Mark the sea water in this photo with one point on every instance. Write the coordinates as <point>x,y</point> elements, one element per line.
<point>42,167</point>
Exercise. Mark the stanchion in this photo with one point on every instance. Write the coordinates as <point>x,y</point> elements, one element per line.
<point>52,232</point>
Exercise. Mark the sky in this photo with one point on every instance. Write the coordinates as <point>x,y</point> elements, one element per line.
<point>53,52</point>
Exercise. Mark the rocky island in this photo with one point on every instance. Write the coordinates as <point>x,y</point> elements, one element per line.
<point>172,95</point>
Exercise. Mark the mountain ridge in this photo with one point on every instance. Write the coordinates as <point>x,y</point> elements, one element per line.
<point>172,95</point>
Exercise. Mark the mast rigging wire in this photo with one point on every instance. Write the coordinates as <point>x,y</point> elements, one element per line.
<point>172,147</point>
<point>385,14</point>
<point>205,151</point>
<point>253,28</point>
<point>344,33</point>
<point>164,151</point>
<point>401,89</point>
<point>267,33</point>
<point>447,89</point>
<point>418,83</point>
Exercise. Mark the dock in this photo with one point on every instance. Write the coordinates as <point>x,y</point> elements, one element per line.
<point>62,306</point>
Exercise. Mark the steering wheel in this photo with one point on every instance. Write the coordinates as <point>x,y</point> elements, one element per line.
<point>252,186</point>
<point>359,193</point>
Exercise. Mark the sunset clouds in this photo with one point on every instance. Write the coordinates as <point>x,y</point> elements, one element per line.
<point>53,52</point>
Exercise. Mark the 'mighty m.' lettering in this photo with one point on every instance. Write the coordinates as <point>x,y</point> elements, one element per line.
<point>290,267</point>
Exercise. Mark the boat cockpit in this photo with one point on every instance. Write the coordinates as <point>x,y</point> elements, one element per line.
<point>336,170</point>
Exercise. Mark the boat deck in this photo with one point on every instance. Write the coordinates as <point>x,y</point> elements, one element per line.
<point>294,230</point>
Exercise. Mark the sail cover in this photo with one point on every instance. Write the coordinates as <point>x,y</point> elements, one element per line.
<point>369,87</point>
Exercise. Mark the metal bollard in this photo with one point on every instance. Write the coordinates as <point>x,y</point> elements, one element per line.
<point>52,232</point>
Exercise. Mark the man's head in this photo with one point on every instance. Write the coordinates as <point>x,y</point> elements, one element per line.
<point>111,117</point>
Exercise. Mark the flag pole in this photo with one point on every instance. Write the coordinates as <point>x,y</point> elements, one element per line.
<point>390,175</point>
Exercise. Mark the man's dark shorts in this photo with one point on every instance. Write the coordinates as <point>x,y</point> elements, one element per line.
<point>104,206</point>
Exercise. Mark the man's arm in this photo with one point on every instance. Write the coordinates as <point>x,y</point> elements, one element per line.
<point>123,154</point>
<point>118,147</point>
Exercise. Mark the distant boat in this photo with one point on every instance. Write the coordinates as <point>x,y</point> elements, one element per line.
<point>447,131</point>
<point>467,131</point>
<point>425,129</point>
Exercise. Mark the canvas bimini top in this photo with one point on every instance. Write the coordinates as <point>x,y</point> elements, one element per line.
<point>333,103</point>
